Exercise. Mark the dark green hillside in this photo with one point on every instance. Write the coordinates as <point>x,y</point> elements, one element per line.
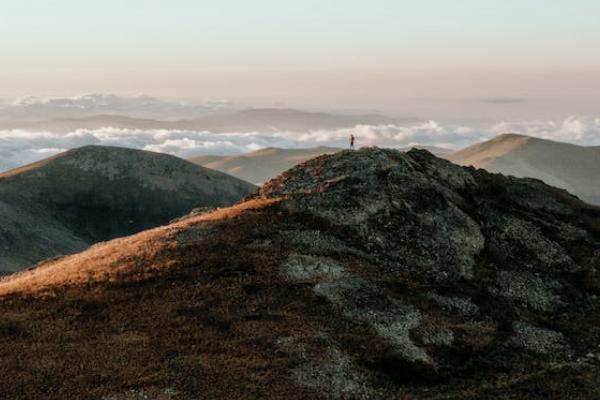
<point>91,194</point>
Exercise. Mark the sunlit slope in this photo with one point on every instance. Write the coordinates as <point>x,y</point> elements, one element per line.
<point>574,168</point>
<point>91,194</point>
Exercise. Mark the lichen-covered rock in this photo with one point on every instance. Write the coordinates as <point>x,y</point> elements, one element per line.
<point>534,292</point>
<point>522,244</point>
<point>323,367</point>
<point>432,334</point>
<point>397,207</point>
<point>495,246</point>
<point>364,303</point>
<point>538,340</point>
<point>313,242</point>
<point>308,268</point>
<point>461,305</point>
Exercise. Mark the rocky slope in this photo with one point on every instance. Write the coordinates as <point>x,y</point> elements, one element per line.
<point>368,274</point>
<point>571,167</point>
<point>63,204</point>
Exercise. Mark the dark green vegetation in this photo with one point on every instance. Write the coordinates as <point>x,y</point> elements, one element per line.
<point>63,204</point>
<point>368,274</point>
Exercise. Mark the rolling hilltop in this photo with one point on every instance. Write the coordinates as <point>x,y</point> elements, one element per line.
<point>262,165</point>
<point>372,274</point>
<point>63,204</point>
<point>571,167</point>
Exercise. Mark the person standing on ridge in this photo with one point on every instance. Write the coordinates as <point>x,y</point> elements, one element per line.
<point>352,139</point>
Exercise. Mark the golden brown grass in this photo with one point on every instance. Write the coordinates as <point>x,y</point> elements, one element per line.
<point>135,257</point>
<point>28,167</point>
<point>206,328</point>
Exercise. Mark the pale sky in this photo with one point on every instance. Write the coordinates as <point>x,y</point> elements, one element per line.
<point>525,57</point>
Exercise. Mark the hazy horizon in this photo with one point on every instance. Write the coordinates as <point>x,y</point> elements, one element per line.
<point>433,59</point>
<point>21,145</point>
<point>451,73</point>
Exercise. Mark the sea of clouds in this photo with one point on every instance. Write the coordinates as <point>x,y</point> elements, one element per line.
<point>18,147</point>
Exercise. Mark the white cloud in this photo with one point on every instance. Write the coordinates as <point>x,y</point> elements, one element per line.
<point>578,130</point>
<point>427,133</point>
<point>19,147</point>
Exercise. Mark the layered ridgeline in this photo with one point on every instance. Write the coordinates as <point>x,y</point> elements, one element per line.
<point>262,165</point>
<point>65,203</point>
<point>367,274</point>
<point>248,120</point>
<point>571,167</point>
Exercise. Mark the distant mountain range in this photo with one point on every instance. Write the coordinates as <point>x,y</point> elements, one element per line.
<point>260,166</point>
<point>571,167</point>
<point>251,120</point>
<point>66,203</point>
<point>144,112</point>
<point>277,120</point>
<point>36,109</point>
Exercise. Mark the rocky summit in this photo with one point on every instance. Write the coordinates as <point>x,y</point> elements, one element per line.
<point>363,274</point>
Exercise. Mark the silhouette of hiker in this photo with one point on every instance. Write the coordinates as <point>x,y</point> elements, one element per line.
<point>352,140</point>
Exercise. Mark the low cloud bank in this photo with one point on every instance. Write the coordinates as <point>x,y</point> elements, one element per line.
<point>19,147</point>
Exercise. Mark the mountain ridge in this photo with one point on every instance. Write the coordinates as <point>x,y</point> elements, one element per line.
<point>262,165</point>
<point>94,193</point>
<point>244,120</point>
<point>564,165</point>
<point>362,274</point>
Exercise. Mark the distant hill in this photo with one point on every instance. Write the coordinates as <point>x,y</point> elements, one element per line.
<point>369,274</point>
<point>65,203</point>
<point>250,120</point>
<point>260,166</point>
<point>571,167</point>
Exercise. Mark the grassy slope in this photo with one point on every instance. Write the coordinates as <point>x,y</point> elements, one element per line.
<point>93,194</point>
<point>571,167</point>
